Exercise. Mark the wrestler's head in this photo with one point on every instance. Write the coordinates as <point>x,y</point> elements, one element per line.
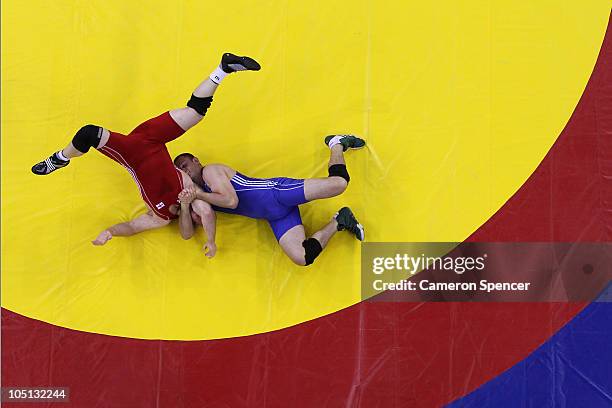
<point>190,165</point>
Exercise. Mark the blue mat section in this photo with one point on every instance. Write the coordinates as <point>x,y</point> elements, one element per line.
<point>572,369</point>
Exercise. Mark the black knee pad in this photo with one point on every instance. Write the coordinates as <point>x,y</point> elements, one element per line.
<point>200,105</point>
<point>340,171</point>
<point>87,136</point>
<point>312,249</point>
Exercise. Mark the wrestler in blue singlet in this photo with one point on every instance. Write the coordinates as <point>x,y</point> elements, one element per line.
<point>275,200</point>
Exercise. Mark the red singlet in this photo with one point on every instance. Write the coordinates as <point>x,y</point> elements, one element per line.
<point>143,153</point>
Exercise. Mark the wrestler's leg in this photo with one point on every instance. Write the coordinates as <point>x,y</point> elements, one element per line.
<point>201,98</point>
<point>331,186</point>
<point>338,177</point>
<point>291,236</point>
<point>85,138</point>
<point>303,251</point>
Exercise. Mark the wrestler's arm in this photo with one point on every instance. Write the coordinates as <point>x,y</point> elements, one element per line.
<point>185,197</point>
<point>185,222</point>
<point>203,209</point>
<point>223,193</point>
<point>141,223</point>
<point>209,223</point>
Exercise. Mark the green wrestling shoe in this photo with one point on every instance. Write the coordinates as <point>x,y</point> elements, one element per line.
<point>347,221</point>
<point>347,141</point>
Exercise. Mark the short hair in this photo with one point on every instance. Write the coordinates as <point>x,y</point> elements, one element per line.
<point>188,155</point>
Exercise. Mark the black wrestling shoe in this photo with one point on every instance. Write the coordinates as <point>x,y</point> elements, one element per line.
<point>347,141</point>
<point>347,221</point>
<point>231,63</point>
<point>49,165</point>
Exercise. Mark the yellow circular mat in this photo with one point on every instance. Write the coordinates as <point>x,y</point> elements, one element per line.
<point>458,101</point>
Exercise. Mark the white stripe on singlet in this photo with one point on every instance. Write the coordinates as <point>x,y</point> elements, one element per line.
<point>115,154</point>
<point>264,184</point>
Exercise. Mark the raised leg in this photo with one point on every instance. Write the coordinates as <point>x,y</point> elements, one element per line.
<point>71,151</point>
<point>94,136</point>
<point>189,116</point>
<point>331,186</point>
<point>87,137</point>
<point>338,177</point>
<point>202,96</point>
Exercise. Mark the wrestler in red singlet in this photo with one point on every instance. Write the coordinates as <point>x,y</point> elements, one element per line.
<point>144,154</point>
